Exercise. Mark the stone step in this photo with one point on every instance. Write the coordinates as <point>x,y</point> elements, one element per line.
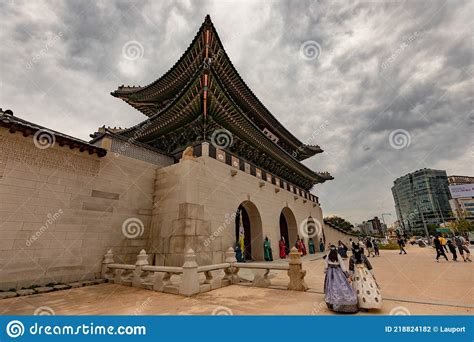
<point>25,292</point>
<point>44,289</point>
<point>8,294</point>
<point>61,287</point>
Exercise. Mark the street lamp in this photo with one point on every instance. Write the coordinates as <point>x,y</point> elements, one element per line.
<point>383,219</point>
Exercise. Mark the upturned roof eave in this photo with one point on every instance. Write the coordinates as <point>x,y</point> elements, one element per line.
<point>296,163</point>
<point>273,122</point>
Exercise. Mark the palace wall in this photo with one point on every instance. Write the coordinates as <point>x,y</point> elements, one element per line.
<point>333,236</point>
<point>61,209</point>
<point>195,205</point>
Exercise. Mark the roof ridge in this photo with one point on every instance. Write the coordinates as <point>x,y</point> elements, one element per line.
<point>199,32</point>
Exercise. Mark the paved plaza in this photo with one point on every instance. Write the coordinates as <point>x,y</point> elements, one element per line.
<point>411,284</point>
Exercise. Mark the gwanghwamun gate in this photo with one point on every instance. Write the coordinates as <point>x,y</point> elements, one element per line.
<point>207,157</point>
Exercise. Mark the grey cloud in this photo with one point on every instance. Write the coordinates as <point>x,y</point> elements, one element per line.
<point>384,65</point>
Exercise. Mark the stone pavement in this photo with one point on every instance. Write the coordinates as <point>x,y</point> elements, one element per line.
<point>410,284</point>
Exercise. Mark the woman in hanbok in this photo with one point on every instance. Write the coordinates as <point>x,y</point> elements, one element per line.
<point>311,246</point>
<point>303,247</point>
<point>282,245</point>
<point>338,292</point>
<point>342,249</point>
<point>363,281</point>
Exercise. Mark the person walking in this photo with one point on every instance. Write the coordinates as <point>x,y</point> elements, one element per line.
<point>466,249</point>
<point>458,242</point>
<point>439,247</point>
<point>401,245</point>
<point>363,281</point>
<point>352,243</point>
<point>376,247</point>
<point>342,249</point>
<point>338,292</point>
<point>369,245</point>
<point>452,249</point>
<point>443,242</point>
<point>463,249</point>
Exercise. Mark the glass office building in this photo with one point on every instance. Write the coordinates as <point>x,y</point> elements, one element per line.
<point>421,195</point>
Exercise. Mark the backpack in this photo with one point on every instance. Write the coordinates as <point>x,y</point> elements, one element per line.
<point>458,241</point>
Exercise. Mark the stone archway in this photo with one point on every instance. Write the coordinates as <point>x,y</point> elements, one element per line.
<point>252,224</point>
<point>316,232</point>
<point>288,227</point>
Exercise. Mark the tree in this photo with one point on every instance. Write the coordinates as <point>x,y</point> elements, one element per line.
<point>431,228</point>
<point>340,223</point>
<point>462,225</point>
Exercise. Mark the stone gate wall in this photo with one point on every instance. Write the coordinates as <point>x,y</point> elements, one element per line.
<point>61,209</point>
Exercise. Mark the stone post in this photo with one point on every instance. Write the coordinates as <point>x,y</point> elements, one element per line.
<point>108,259</point>
<point>296,272</point>
<point>231,273</point>
<point>189,279</point>
<point>142,260</point>
<point>205,149</point>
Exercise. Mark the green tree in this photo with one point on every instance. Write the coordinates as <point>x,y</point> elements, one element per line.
<point>340,223</point>
<point>462,225</point>
<point>432,228</point>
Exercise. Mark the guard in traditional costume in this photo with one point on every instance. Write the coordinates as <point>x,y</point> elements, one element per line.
<point>311,246</point>
<point>298,245</point>
<point>282,245</point>
<point>321,245</point>
<point>267,250</point>
<point>238,252</point>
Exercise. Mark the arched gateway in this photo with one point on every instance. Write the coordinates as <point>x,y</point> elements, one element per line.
<point>213,141</point>
<point>252,224</point>
<point>288,227</point>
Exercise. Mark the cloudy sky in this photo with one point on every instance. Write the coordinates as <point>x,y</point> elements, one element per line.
<point>384,87</point>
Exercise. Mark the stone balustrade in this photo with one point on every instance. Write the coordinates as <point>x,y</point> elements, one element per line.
<point>158,278</point>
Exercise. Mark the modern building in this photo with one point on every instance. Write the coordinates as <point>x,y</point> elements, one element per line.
<point>207,158</point>
<point>372,226</point>
<point>421,197</point>
<point>462,196</point>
